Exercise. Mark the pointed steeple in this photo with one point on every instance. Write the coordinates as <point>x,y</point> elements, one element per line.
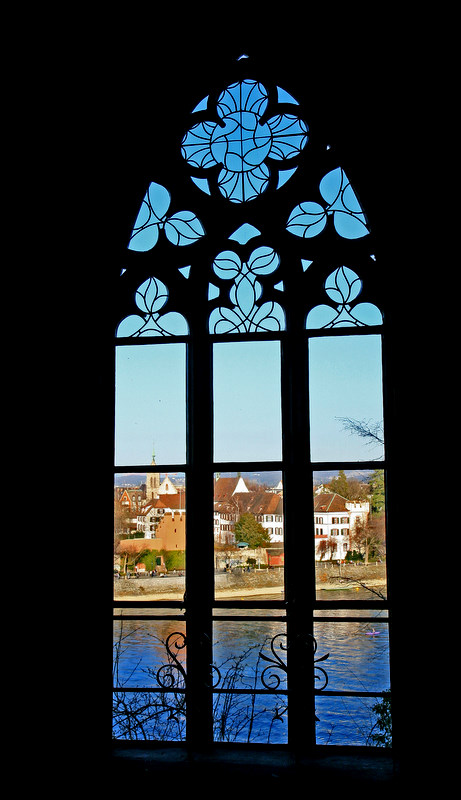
<point>153,480</point>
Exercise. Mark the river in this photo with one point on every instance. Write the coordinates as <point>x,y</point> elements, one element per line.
<point>357,661</point>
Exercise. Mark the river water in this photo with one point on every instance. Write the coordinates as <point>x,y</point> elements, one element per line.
<point>358,661</point>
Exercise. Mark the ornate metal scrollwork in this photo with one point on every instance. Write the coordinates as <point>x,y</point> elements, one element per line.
<point>269,678</point>
<point>173,674</point>
<point>215,677</point>
<point>214,674</point>
<point>272,680</point>
<point>319,669</point>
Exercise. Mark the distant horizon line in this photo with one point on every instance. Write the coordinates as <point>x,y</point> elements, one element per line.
<point>180,477</point>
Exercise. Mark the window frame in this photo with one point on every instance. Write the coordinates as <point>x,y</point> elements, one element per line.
<point>200,601</point>
<point>201,606</point>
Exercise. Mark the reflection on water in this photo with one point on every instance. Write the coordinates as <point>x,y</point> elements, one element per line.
<point>244,660</point>
<point>140,650</point>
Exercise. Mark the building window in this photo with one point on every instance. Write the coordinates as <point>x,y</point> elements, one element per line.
<point>256,259</point>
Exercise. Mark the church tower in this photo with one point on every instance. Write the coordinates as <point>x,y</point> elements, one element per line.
<point>153,482</point>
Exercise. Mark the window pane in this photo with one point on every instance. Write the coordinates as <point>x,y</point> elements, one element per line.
<point>250,656</point>
<point>352,721</point>
<point>358,661</point>
<point>248,536</point>
<point>141,648</point>
<point>250,718</point>
<point>149,656</point>
<point>346,398</point>
<point>149,536</point>
<point>247,403</point>
<point>358,658</point>
<point>159,716</point>
<point>150,407</point>
<point>350,534</point>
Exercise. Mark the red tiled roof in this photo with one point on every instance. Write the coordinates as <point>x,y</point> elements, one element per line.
<point>172,500</point>
<point>167,501</point>
<point>259,503</point>
<point>224,488</point>
<point>250,503</point>
<point>329,502</point>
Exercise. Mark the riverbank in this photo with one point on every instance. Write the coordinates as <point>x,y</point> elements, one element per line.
<point>253,584</point>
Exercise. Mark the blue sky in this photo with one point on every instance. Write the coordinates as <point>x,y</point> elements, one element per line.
<point>345,381</point>
<point>150,404</point>
<point>247,412</point>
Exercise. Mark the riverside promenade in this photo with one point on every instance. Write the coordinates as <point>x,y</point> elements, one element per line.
<point>329,576</point>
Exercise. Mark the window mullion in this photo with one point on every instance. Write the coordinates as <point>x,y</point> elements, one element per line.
<point>199,545</point>
<point>299,572</point>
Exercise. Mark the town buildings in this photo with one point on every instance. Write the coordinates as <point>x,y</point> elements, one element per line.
<point>232,498</point>
<point>157,518</point>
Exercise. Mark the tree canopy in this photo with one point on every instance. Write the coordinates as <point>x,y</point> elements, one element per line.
<point>353,489</point>
<point>249,530</point>
<point>377,490</point>
<point>350,488</point>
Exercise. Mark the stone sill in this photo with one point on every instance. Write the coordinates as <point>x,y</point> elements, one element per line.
<point>338,767</point>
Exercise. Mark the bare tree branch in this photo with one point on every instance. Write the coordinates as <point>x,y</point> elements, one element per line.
<point>364,586</point>
<point>366,429</point>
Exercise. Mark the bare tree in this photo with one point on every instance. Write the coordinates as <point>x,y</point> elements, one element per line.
<point>326,547</point>
<point>369,536</point>
<point>122,548</point>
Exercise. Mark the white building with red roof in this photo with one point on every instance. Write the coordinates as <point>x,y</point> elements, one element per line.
<point>334,521</point>
<point>233,498</point>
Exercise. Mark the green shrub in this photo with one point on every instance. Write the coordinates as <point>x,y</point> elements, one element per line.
<point>383,724</point>
<point>148,558</point>
<point>354,555</point>
<point>174,559</point>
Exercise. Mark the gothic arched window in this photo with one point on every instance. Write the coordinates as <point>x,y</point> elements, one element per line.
<point>250,344</point>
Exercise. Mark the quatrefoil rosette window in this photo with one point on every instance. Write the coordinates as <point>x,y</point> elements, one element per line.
<point>242,140</point>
